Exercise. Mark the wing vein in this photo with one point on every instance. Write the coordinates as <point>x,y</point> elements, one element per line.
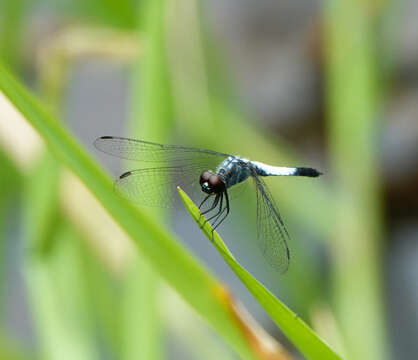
<point>272,234</point>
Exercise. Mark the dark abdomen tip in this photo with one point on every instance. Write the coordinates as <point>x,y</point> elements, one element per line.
<point>125,174</point>
<point>304,171</point>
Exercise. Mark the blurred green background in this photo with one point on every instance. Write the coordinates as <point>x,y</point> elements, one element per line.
<point>331,85</point>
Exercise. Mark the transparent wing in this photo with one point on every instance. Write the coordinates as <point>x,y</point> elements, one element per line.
<point>139,150</point>
<point>271,231</point>
<point>157,186</point>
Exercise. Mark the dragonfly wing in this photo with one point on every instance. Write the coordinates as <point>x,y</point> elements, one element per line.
<point>271,231</point>
<point>139,150</point>
<point>157,186</point>
<point>175,165</point>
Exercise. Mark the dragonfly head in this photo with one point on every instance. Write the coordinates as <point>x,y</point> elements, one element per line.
<point>211,183</point>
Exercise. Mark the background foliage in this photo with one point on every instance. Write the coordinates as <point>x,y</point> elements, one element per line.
<point>301,83</point>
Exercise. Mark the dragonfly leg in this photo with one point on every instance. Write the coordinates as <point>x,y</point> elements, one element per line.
<point>224,217</point>
<point>204,200</point>
<point>217,217</point>
<point>218,213</point>
<point>213,206</point>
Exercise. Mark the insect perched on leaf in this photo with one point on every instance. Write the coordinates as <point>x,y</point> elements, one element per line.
<point>208,173</point>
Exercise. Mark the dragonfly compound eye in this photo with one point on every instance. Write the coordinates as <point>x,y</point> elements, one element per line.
<point>204,178</point>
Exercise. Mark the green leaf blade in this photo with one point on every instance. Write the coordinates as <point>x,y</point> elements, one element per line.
<point>298,332</point>
<point>161,249</point>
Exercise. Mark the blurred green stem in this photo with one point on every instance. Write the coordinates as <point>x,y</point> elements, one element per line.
<point>53,270</point>
<point>150,119</point>
<point>11,26</point>
<point>10,180</point>
<point>353,111</point>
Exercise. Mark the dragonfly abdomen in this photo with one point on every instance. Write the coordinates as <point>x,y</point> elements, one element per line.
<point>268,170</point>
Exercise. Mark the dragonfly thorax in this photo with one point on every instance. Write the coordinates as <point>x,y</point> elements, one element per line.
<point>234,170</point>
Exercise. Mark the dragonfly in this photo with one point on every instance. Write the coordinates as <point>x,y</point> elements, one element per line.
<point>209,176</point>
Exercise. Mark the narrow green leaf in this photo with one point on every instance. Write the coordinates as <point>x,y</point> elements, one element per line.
<point>12,25</point>
<point>174,263</point>
<point>298,332</point>
<point>10,181</point>
<point>150,117</point>
<point>54,277</point>
<point>353,92</point>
